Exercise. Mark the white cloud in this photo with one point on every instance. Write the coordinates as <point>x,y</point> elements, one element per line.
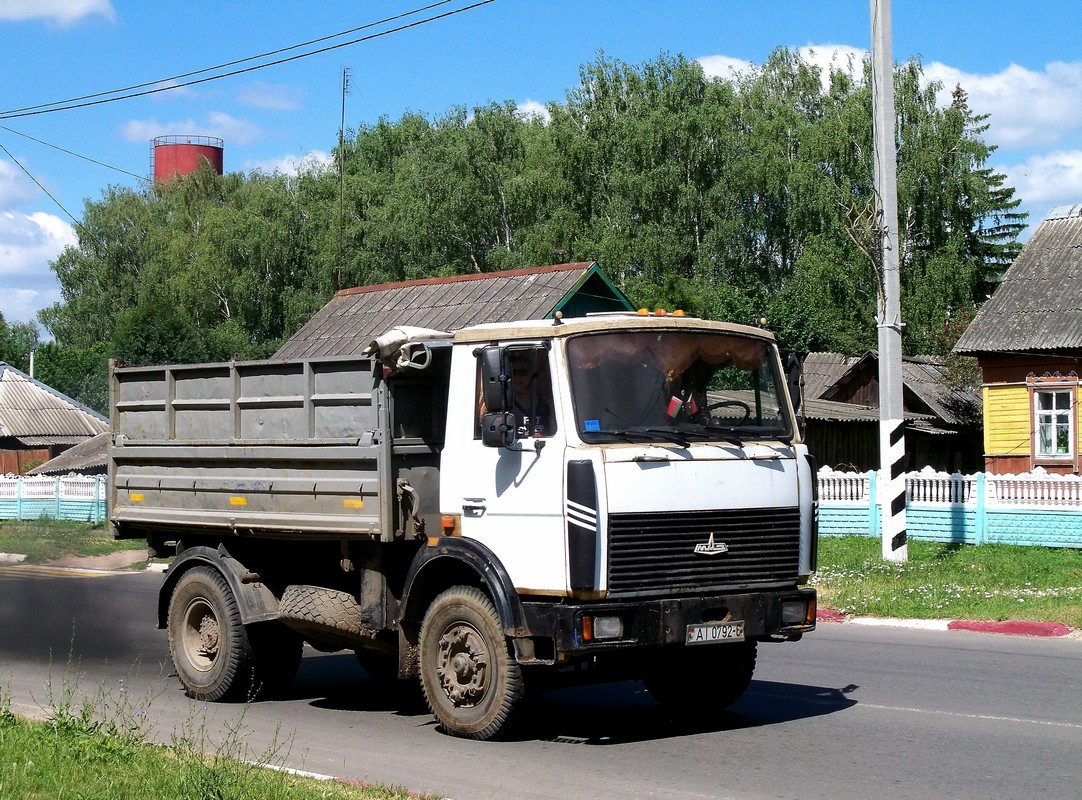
<point>1028,108</point>
<point>232,130</point>
<point>15,187</point>
<point>312,161</point>
<point>532,108</point>
<point>64,12</point>
<point>1048,179</point>
<point>276,97</point>
<point>27,244</point>
<point>830,57</point>
<point>824,56</point>
<point>724,66</point>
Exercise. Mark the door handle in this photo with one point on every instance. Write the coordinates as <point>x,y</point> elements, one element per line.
<point>473,506</point>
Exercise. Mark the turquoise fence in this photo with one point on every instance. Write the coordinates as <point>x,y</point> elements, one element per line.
<point>1032,509</point>
<point>71,497</point>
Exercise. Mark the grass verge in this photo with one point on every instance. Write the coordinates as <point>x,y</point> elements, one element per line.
<point>950,581</point>
<point>42,541</point>
<point>98,749</point>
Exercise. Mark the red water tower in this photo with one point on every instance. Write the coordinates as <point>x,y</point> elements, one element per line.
<point>171,156</point>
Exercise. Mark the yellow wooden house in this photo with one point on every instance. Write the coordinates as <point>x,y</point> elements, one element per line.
<point>1028,341</point>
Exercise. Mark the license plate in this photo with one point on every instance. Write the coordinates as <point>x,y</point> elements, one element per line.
<point>711,632</point>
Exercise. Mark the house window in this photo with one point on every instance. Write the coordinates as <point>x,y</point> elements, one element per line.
<point>1054,423</point>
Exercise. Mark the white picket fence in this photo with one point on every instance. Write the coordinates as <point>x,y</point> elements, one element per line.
<point>69,497</point>
<point>1036,508</point>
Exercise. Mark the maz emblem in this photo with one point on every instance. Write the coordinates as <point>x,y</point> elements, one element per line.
<point>711,548</point>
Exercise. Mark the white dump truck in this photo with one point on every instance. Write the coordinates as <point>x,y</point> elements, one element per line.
<point>602,498</point>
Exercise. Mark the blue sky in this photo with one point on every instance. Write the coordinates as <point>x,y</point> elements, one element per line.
<point>1020,62</point>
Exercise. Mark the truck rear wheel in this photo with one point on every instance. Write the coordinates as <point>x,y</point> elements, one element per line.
<point>471,682</point>
<point>209,645</point>
<point>691,681</point>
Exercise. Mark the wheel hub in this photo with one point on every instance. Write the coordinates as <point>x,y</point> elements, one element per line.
<point>209,637</point>
<point>463,665</point>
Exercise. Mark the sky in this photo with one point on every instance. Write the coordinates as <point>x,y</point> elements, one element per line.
<point>1021,63</point>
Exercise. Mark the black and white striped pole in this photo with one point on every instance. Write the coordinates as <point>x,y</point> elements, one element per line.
<point>891,419</point>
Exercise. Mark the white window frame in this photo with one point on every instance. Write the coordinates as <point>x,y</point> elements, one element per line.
<point>1043,418</point>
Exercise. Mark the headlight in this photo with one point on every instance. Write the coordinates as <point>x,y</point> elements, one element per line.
<point>797,612</point>
<point>601,627</point>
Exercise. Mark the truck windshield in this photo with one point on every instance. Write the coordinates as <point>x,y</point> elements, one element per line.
<point>676,386</point>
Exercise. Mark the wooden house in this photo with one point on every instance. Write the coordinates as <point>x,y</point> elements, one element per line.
<point>1027,339</point>
<point>38,423</point>
<point>841,412</point>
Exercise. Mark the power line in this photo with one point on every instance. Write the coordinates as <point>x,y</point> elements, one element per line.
<point>70,153</point>
<point>39,184</point>
<point>73,105</point>
<point>228,63</point>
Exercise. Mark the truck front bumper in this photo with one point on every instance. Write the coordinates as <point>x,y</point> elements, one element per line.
<point>578,629</point>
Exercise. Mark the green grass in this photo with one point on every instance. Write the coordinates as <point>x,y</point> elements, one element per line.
<point>98,749</point>
<point>947,581</point>
<point>50,761</point>
<point>47,540</point>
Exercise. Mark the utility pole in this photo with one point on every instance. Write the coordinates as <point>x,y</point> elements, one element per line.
<point>342,178</point>
<point>891,417</point>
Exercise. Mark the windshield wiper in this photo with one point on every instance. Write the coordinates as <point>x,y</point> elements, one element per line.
<point>651,435</point>
<point>724,433</point>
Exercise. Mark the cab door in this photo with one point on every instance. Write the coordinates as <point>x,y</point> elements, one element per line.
<point>510,497</point>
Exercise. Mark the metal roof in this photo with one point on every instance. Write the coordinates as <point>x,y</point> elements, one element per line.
<point>1038,306</point>
<point>922,377</point>
<point>354,317</point>
<point>89,456</point>
<point>32,412</point>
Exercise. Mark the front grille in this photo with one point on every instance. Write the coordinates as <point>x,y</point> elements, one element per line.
<point>654,554</point>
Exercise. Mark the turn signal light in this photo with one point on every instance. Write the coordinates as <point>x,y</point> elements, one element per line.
<point>601,627</point>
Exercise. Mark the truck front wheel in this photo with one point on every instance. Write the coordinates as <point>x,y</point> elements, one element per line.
<point>210,648</point>
<point>472,683</point>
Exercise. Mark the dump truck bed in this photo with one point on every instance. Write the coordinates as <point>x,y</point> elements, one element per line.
<point>263,447</point>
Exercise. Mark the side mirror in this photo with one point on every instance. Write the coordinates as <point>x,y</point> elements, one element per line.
<point>794,377</point>
<point>496,380</point>
<point>498,429</point>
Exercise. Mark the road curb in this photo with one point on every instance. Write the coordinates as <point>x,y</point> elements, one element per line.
<point>1009,627</point>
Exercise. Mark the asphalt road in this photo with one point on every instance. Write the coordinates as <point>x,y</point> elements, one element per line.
<point>849,713</point>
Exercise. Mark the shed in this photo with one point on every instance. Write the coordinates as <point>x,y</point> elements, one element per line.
<point>841,409</point>
<point>354,317</point>
<point>1027,339</point>
<point>89,457</point>
<point>38,423</point>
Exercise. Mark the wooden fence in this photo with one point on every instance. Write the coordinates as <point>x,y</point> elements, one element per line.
<point>1032,509</point>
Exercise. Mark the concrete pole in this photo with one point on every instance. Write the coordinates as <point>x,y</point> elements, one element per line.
<point>891,418</point>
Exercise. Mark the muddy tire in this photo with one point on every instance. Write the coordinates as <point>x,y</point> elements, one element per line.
<point>326,616</point>
<point>471,682</point>
<point>693,681</point>
<point>209,645</point>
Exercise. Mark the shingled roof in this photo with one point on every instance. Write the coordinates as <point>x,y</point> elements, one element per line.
<point>929,393</point>
<point>1038,306</point>
<point>36,415</point>
<point>354,317</point>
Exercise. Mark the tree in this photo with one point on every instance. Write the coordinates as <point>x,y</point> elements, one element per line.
<point>741,197</point>
<point>17,341</point>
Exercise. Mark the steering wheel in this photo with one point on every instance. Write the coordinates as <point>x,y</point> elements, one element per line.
<point>733,404</point>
